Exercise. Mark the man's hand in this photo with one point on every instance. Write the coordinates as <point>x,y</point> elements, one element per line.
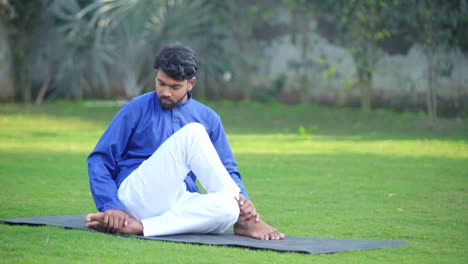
<point>115,221</point>
<point>247,210</point>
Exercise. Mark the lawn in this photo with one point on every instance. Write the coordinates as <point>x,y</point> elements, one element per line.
<point>311,171</point>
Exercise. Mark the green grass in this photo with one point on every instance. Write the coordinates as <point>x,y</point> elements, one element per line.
<point>311,171</point>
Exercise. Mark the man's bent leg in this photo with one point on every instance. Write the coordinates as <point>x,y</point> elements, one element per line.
<point>158,184</point>
<point>204,161</point>
<point>198,213</point>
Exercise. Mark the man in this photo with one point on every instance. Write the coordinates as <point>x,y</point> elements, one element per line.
<point>143,170</point>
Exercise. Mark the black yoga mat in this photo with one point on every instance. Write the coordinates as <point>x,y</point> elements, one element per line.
<point>289,244</point>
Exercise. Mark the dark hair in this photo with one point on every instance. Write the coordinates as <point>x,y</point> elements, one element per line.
<point>177,61</point>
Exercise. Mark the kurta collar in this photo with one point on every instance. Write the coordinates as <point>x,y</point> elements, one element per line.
<point>189,99</point>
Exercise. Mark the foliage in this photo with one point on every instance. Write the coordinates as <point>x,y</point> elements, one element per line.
<point>112,43</point>
<point>247,30</point>
<point>434,24</point>
<point>377,176</point>
<point>119,38</point>
<point>360,26</point>
<point>96,48</point>
<point>21,18</point>
<point>272,92</point>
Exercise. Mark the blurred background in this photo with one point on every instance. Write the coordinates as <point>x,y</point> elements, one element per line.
<point>403,55</point>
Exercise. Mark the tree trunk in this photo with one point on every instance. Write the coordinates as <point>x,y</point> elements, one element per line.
<point>23,26</point>
<point>22,67</point>
<point>43,90</point>
<point>366,92</point>
<point>431,96</point>
<point>366,77</point>
<point>7,88</point>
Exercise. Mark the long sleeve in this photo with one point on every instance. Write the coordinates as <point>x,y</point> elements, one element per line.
<point>103,161</point>
<point>221,144</point>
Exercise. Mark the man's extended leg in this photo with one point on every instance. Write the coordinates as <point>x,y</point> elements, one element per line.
<point>208,213</point>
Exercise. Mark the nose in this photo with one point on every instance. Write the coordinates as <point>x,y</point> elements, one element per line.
<point>165,92</point>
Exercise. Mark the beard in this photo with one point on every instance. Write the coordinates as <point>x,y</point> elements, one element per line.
<point>167,103</point>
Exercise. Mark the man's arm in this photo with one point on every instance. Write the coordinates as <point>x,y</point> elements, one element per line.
<point>102,162</point>
<point>218,137</point>
<point>103,168</point>
<point>220,142</point>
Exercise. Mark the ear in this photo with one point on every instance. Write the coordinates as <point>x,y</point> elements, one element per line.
<point>191,83</point>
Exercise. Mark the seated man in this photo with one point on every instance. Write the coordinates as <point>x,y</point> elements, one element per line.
<point>142,171</point>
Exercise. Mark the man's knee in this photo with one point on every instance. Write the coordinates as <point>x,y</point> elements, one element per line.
<point>195,128</point>
<point>194,131</point>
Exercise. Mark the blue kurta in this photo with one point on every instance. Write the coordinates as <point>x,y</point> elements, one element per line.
<point>137,130</point>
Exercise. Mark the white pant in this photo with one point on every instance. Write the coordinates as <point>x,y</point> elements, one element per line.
<point>155,193</point>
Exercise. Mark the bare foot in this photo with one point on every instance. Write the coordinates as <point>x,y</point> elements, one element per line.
<point>96,222</point>
<point>259,230</point>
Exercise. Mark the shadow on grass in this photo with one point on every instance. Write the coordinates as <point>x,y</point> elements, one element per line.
<point>304,119</point>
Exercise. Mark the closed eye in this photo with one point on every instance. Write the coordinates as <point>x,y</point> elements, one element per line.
<point>174,87</point>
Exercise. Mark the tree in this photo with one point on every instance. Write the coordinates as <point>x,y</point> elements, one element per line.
<point>434,24</point>
<point>247,29</point>
<point>21,18</point>
<point>110,44</point>
<point>300,11</point>
<point>360,26</point>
